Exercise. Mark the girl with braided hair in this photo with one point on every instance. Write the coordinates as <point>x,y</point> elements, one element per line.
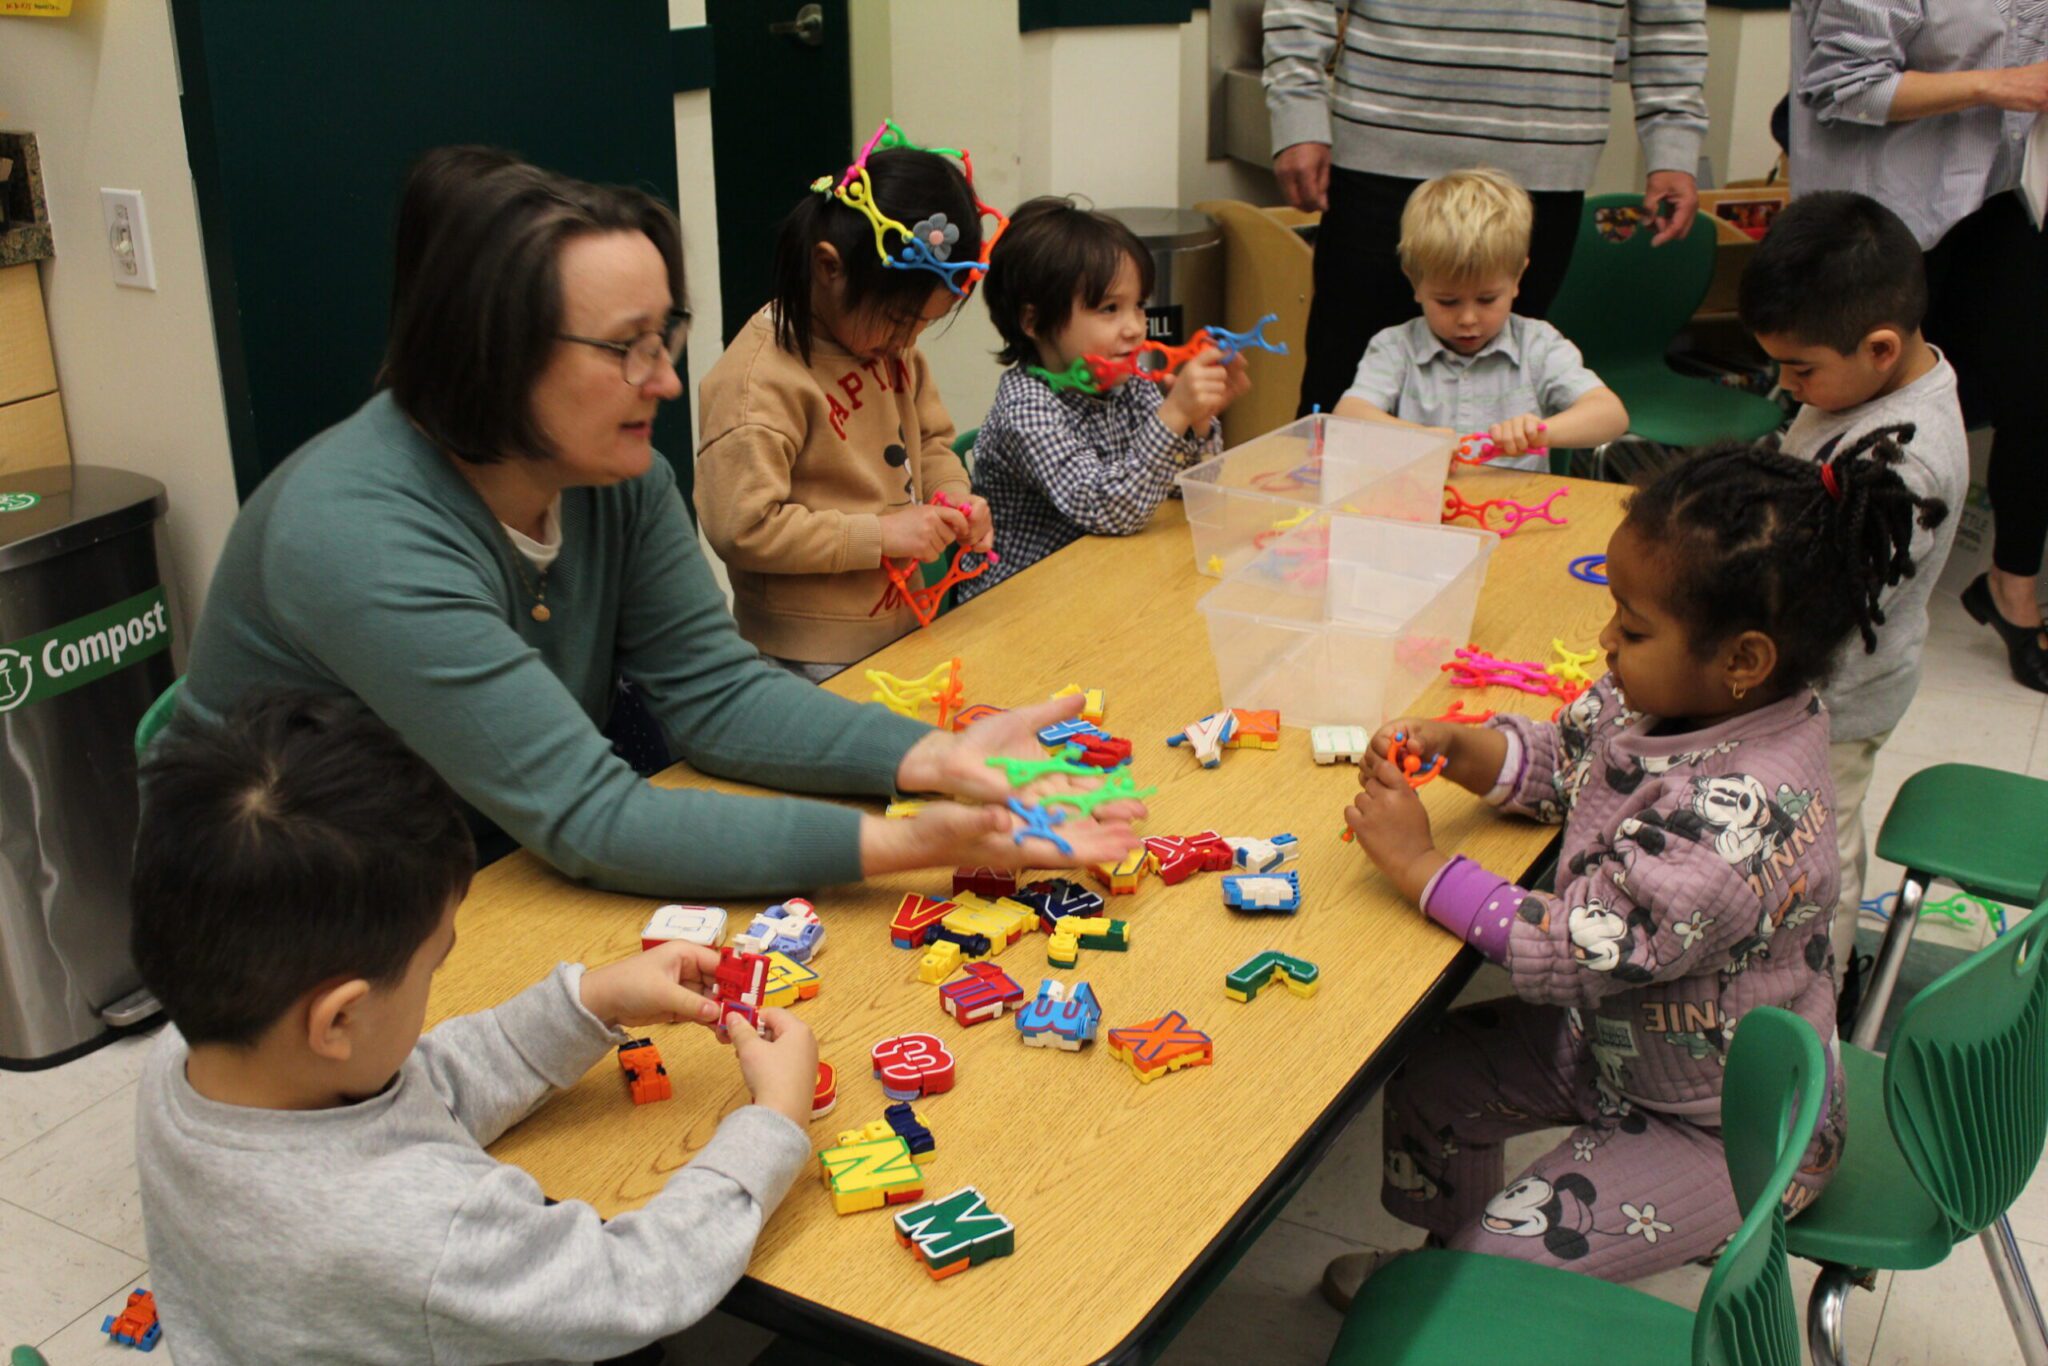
<point>1697,878</point>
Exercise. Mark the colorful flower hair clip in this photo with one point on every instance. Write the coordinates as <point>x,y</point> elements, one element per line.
<point>929,245</point>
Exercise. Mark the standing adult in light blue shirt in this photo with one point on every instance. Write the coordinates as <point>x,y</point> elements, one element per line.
<point>1926,108</point>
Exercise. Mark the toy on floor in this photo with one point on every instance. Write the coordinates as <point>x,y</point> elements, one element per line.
<point>1162,1045</point>
<point>1475,668</point>
<point>1091,701</point>
<point>1589,569</point>
<point>1339,744</point>
<point>1954,909</point>
<point>1477,448</point>
<point>1263,892</point>
<point>1513,514</point>
<point>825,1094</point>
<point>954,1232</point>
<point>1063,947</point>
<point>646,1079</point>
<point>870,1173</point>
<point>913,1065</point>
<point>1182,856</point>
<point>1115,788</point>
<point>1245,981</point>
<point>1457,715</point>
<point>789,927</point>
<point>908,696</point>
<point>1056,899</point>
<point>697,924</point>
<point>982,994</point>
<point>923,600</point>
<point>915,916</point>
<point>1126,875</point>
<point>1059,1018</point>
<point>1263,855</point>
<point>136,1325</point>
<point>984,881</point>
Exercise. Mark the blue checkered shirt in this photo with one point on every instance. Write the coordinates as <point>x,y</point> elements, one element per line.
<point>1055,467</point>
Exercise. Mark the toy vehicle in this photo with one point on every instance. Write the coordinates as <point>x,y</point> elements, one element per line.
<point>646,1078</point>
<point>136,1325</point>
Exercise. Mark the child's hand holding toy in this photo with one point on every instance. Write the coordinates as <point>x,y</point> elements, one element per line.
<point>1388,820</point>
<point>922,531</point>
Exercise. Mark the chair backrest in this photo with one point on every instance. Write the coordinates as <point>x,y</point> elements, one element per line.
<point>1662,285</point>
<point>963,446</point>
<point>157,717</point>
<point>1966,1081</point>
<point>1267,268</point>
<point>1770,1105</point>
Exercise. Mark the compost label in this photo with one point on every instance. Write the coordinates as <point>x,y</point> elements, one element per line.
<point>51,663</point>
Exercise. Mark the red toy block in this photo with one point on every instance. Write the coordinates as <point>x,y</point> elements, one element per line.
<point>913,1065</point>
<point>981,994</point>
<point>136,1326</point>
<point>1182,856</point>
<point>915,916</point>
<point>1105,751</point>
<point>826,1095</point>
<point>646,1078</point>
<point>741,978</point>
<point>984,881</point>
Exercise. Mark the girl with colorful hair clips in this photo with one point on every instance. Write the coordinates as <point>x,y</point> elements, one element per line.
<point>823,435</point>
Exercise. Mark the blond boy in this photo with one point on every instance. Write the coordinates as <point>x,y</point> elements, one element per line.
<point>1469,364</point>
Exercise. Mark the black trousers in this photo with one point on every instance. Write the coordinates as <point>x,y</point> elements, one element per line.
<point>1988,278</point>
<point>1359,285</point>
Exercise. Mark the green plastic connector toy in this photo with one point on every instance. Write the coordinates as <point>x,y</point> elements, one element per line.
<point>1116,787</point>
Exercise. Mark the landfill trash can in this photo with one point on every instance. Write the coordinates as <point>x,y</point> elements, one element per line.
<point>1187,270</point>
<point>85,636</point>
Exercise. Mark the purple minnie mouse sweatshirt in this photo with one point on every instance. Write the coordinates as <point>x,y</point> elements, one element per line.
<point>1697,882</point>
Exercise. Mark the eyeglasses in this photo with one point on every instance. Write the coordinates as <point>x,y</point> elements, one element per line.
<point>642,356</point>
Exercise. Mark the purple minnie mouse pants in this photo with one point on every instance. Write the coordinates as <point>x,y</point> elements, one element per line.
<point>1628,1193</point>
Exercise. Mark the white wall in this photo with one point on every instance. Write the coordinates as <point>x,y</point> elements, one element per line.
<point>138,370</point>
<point>1749,68</point>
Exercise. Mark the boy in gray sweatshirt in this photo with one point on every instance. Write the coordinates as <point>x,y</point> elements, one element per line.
<point>1835,294</point>
<point>314,1181</point>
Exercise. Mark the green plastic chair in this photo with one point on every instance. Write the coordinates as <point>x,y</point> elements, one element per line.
<point>1623,302</point>
<point>1944,1133</point>
<point>157,717</point>
<point>1466,1309</point>
<point>963,446</point>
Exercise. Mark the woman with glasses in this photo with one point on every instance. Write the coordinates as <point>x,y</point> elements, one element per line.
<point>489,544</point>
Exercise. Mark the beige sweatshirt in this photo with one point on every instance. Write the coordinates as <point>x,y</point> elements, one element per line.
<point>796,467</point>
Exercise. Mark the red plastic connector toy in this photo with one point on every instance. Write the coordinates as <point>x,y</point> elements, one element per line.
<point>1513,515</point>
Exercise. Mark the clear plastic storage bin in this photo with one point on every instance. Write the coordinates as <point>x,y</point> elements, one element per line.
<point>1247,497</point>
<point>1345,620</point>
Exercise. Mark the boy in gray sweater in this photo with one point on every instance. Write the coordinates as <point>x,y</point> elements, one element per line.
<point>314,1181</point>
<point>1835,294</point>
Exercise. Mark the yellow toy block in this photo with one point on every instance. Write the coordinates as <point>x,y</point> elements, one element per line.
<point>938,962</point>
<point>871,1172</point>
<point>1002,920</point>
<point>1124,878</point>
<point>1091,701</point>
<point>903,811</point>
<point>789,981</point>
<point>1063,949</point>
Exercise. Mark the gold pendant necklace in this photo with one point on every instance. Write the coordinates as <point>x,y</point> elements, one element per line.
<point>539,589</point>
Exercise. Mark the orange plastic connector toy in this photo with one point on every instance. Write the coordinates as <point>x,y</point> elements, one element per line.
<point>924,601</point>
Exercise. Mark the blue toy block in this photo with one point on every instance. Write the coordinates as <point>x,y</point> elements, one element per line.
<point>1057,898</point>
<point>1057,734</point>
<point>971,945</point>
<point>910,1128</point>
<point>1263,892</point>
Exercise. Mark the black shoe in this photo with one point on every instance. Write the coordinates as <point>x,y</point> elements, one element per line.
<point>2022,643</point>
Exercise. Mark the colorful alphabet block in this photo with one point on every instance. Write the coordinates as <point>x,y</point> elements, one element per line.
<point>984,881</point>
<point>1182,856</point>
<point>909,1126</point>
<point>789,981</point>
<point>1070,936</point>
<point>1258,729</point>
<point>1099,751</point>
<point>1056,735</point>
<point>1162,1045</point>
<point>1339,744</point>
<point>790,927</point>
<point>1263,892</point>
<point>870,1173</point>
<point>826,1094</point>
<point>1057,898</point>
<point>1002,921</point>
<point>1244,982</point>
<point>939,962</point>
<point>915,916</point>
<point>913,1065</point>
<point>1124,877</point>
<point>1059,1018</point>
<point>979,994</point>
<point>1263,855</point>
<point>1205,738</point>
<point>698,924</point>
<point>955,1232</point>
<point>1091,701</point>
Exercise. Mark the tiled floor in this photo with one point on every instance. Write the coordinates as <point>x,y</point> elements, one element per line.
<point>71,1242</point>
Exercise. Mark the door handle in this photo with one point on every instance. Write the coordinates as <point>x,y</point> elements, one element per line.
<point>808,27</point>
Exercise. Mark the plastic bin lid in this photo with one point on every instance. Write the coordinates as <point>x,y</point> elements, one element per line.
<point>1169,228</point>
<point>56,509</point>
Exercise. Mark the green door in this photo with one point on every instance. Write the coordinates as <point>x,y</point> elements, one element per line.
<point>301,119</point>
<point>781,116</point>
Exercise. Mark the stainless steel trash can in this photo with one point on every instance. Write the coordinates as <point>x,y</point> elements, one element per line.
<point>85,635</point>
<point>1187,270</point>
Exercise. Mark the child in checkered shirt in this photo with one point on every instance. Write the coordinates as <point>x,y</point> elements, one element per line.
<point>1057,465</point>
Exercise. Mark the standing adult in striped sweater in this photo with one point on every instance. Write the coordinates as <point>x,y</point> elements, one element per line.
<point>1369,98</point>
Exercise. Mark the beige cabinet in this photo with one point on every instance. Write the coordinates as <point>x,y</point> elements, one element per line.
<point>31,415</point>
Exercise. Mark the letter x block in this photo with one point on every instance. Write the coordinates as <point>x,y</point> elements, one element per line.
<point>1164,1045</point>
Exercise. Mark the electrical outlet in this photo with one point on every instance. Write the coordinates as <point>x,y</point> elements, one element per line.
<point>128,238</point>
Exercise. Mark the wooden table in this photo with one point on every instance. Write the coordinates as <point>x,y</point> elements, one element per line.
<point>1126,1197</point>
